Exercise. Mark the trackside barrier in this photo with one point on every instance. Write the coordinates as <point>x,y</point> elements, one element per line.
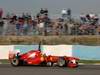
<point>80,51</point>
<point>57,50</point>
<point>4,51</point>
<point>25,48</point>
<point>86,52</point>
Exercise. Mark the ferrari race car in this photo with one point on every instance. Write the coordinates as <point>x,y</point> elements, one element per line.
<point>36,57</point>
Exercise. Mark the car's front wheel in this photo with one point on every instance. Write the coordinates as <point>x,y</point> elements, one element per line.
<point>15,62</point>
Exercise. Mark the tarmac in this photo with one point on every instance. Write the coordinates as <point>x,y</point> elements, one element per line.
<point>7,69</point>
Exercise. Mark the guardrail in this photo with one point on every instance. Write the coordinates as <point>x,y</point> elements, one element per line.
<point>83,52</point>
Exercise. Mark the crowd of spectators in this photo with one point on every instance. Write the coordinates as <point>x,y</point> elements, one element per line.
<point>42,24</point>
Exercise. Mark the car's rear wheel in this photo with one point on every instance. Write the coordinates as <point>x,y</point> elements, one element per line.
<point>15,62</point>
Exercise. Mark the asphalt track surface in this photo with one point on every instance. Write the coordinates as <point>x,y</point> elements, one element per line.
<point>7,69</point>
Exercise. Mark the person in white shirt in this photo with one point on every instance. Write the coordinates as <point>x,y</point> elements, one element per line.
<point>92,15</point>
<point>41,28</point>
<point>64,14</point>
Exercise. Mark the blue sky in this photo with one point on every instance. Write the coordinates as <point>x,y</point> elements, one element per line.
<point>54,6</point>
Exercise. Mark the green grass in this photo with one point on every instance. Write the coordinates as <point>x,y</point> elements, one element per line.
<point>4,61</point>
<point>89,61</point>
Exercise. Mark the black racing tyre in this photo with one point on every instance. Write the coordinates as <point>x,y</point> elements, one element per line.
<point>61,62</point>
<point>43,64</point>
<point>77,64</point>
<point>15,62</point>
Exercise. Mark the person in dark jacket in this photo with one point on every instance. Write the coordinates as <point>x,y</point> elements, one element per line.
<point>41,11</point>
<point>69,14</point>
<point>46,11</point>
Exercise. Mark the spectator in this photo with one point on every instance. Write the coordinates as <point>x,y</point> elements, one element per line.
<point>1,26</point>
<point>69,14</point>
<point>88,17</point>
<point>1,12</point>
<point>41,27</point>
<point>18,28</point>
<point>41,11</point>
<point>46,11</point>
<point>64,14</point>
<point>83,18</point>
<point>25,28</point>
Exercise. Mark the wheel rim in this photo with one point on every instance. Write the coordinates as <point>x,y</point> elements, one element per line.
<point>15,61</point>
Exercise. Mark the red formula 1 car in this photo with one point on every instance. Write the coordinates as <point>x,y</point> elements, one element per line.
<point>35,57</point>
